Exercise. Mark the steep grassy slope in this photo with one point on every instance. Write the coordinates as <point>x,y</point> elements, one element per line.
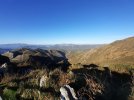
<point>118,52</point>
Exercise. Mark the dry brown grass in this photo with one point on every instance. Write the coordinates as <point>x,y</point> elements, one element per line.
<point>119,52</point>
<point>88,83</point>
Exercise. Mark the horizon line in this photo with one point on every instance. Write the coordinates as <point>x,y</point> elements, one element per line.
<point>54,44</point>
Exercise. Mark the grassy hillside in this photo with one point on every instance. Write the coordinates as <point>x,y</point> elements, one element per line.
<point>118,52</point>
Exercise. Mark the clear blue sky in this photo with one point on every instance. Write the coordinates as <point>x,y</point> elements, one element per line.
<point>65,21</point>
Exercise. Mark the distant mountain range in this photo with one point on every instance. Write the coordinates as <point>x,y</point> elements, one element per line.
<point>48,47</point>
<point>119,52</point>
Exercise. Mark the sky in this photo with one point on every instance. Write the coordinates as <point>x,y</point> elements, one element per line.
<point>65,21</point>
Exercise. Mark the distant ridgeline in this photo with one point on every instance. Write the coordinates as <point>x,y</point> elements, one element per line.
<point>71,47</point>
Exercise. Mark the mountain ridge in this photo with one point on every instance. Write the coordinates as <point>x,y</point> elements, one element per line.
<point>119,52</point>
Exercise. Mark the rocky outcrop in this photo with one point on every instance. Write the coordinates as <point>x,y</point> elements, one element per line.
<point>68,93</point>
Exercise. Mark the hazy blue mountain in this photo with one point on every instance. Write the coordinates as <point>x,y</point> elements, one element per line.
<point>4,50</point>
<point>47,47</point>
<point>12,46</point>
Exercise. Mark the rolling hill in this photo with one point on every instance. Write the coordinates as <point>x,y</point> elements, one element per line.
<point>37,58</point>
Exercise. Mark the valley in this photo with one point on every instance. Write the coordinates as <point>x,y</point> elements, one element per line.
<point>102,72</point>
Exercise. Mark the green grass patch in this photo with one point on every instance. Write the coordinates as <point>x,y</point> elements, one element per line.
<point>9,94</point>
